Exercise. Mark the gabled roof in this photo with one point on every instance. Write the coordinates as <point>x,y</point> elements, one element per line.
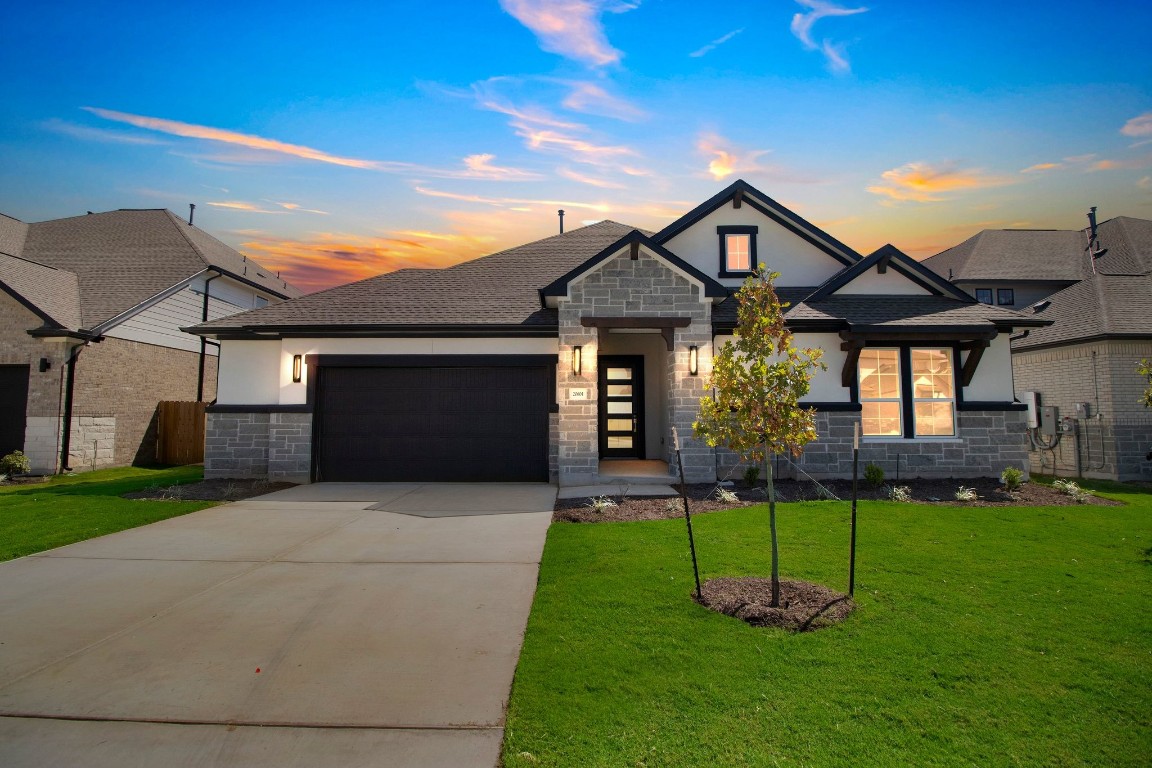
<point>52,294</point>
<point>890,256</point>
<point>1125,247</point>
<point>495,293</point>
<point>125,258</point>
<point>922,314</point>
<point>1016,254</point>
<point>559,287</point>
<point>1103,306</point>
<point>12,235</point>
<point>747,194</point>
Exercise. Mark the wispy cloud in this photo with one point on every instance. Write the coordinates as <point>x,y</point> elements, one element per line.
<point>591,99</point>
<point>502,202</point>
<point>246,207</point>
<point>726,159</point>
<point>1134,163</point>
<point>1145,182</point>
<point>477,166</point>
<point>88,133</point>
<point>296,207</point>
<point>574,148</point>
<point>572,175</point>
<point>489,95</point>
<point>802,24</point>
<point>1141,125</point>
<point>570,28</point>
<point>715,44</point>
<point>923,183</point>
<point>1041,167</point>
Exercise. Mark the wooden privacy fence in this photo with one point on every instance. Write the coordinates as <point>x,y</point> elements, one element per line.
<point>180,432</point>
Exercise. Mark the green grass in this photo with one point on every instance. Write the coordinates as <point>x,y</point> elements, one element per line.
<point>71,508</point>
<point>991,636</point>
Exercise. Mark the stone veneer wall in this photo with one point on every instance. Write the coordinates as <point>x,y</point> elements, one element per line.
<point>988,442</point>
<point>622,287</point>
<point>276,446</point>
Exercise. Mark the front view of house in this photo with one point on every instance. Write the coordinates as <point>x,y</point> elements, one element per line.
<point>552,360</point>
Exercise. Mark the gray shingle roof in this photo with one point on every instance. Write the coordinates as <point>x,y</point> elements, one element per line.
<point>12,235</point>
<point>123,258</point>
<point>911,312</point>
<point>1103,305</point>
<point>1016,254</point>
<point>499,289</point>
<point>54,292</point>
<point>1127,244</point>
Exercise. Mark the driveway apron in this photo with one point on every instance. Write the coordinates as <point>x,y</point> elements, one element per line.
<point>334,624</point>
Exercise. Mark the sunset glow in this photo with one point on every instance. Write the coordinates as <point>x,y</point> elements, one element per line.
<point>346,141</point>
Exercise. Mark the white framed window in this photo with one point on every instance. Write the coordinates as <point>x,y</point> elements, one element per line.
<point>933,392</point>
<point>881,413</point>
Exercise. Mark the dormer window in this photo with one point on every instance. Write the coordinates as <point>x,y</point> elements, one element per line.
<point>737,250</point>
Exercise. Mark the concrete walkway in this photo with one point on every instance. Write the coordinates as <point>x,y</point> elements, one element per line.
<point>327,625</point>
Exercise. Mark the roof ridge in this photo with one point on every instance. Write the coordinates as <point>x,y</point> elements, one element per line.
<point>176,223</point>
<point>37,263</point>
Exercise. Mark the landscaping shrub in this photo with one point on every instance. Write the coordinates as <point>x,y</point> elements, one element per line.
<point>600,503</point>
<point>899,493</point>
<point>965,494</point>
<point>1070,488</point>
<point>15,463</point>
<point>1012,477</point>
<point>874,474</point>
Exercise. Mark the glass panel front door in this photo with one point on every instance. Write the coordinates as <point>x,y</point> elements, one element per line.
<point>621,411</point>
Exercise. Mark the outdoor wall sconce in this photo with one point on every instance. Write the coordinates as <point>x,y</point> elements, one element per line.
<point>693,358</point>
<point>45,364</point>
<point>576,355</point>
<point>297,368</point>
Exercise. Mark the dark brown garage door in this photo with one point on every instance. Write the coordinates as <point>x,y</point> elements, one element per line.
<point>13,407</point>
<point>421,424</point>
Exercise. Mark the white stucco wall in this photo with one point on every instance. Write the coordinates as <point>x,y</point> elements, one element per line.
<point>798,261</point>
<point>825,385</point>
<point>891,283</point>
<point>993,379</point>
<point>249,373</point>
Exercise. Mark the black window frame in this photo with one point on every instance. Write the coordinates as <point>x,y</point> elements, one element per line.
<point>737,229</point>
<point>1001,292</point>
<point>986,291</point>
<point>907,403</point>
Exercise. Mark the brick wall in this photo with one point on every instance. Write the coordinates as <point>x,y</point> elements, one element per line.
<point>1113,443</point>
<point>125,380</point>
<point>41,438</point>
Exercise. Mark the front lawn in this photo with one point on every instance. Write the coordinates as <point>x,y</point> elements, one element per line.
<point>71,508</point>
<point>984,636</point>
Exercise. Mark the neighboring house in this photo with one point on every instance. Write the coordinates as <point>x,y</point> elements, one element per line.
<point>1095,285</point>
<point>90,314</point>
<point>552,359</point>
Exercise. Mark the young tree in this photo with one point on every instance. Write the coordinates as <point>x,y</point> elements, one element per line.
<point>758,381</point>
<point>1145,370</point>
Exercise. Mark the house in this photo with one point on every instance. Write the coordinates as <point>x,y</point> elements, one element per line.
<point>1095,285</point>
<point>90,314</point>
<point>551,360</point>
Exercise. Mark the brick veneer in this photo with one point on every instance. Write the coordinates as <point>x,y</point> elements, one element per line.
<point>623,287</point>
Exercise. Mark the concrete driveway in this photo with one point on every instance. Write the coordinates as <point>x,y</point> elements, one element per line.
<point>326,625</point>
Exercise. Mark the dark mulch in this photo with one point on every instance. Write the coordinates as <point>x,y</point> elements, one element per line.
<point>702,498</point>
<point>210,490</point>
<point>803,606</point>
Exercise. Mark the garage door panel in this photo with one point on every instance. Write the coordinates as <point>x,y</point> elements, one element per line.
<point>470,423</point>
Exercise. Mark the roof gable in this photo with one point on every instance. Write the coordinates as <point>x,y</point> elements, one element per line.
<point>635,239</point>
<point>741,193</point>
<point>52,294</point>
<point>889,257</point>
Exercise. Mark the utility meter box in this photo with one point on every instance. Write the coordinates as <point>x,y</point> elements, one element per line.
<point>1082,411</point>
<point>1049,420</point>
<point>1032,400</point>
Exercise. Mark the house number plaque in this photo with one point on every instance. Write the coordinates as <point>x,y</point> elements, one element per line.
<point>580,393</point>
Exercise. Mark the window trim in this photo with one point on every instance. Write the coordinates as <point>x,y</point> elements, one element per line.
<point>907,404</point>
<point>899,399</point>
<point>953,400</point>
<point>979,291</point>
<point>737,229</point>
<point>1000,297</point>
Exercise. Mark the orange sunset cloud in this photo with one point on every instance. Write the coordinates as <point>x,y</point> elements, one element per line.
<point>922,183</point>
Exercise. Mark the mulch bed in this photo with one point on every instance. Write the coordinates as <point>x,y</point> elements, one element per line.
<point>210,490</point>
<point>803,606</point>
<point>701,498</point>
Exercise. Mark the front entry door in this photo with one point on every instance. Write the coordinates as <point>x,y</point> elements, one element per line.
<point>620,384</point>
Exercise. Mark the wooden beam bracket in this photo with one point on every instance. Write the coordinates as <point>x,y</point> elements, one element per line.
<point>972,361</point>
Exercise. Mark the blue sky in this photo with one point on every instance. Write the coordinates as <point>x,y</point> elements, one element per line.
<point>339,143</point>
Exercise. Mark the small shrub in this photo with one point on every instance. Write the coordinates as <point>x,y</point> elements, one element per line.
<point>726,496</point>
<point>752,475</point>
<point>874,474</point>
<point>15,463</point>
<point>965,494</point>
<point>822,493</point>
<point>1012,477</point>
<point>1070,488</point>
<point>600,503</point>
<point>899,493</point>
<point>673,506</point>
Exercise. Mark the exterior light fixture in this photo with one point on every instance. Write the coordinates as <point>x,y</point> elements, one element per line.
<point>576,359</point>
<point>297,366</point>
<point>693,360</point>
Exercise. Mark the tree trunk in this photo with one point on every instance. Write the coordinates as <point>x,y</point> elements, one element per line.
<point>772,527</point>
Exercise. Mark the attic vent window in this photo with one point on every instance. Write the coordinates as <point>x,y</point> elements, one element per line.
<point>737,250</point>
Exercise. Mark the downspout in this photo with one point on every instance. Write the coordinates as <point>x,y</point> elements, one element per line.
<point>69,387</point>
<point>203,342</point>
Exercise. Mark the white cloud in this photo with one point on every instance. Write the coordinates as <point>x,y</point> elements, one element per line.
<point>802,24</point>
<point>715,43</point>
<point>570,28</point>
